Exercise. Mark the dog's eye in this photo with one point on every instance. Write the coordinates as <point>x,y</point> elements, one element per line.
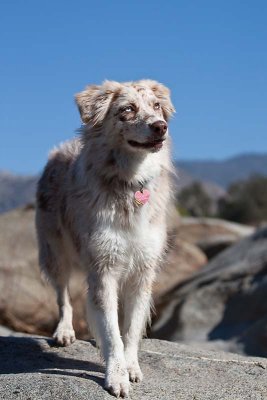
<point>128,109</point>
<point>156,106</point>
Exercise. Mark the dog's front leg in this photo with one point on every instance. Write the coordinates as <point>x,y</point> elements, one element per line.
<point>137,302</point>
<point>103,322</point>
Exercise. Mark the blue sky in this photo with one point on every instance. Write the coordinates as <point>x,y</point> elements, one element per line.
<point>212,54</point>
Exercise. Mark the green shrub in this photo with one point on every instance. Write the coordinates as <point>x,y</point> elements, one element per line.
<point>246,201</point>
<point>194,201</point>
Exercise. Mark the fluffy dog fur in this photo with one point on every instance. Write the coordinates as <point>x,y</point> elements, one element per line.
<point>86,216</point>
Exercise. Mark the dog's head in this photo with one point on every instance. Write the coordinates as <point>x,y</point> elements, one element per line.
<point>132,114</point>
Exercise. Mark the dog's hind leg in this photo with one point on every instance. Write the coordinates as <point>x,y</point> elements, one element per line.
<point>57,270</point>
<point>64,334</point>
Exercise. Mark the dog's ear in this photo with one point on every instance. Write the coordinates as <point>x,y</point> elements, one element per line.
<point>94,101</point>
<point>164,96</point>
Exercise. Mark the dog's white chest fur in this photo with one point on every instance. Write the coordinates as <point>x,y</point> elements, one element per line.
<point>133,240</point>
<point>133,247</point>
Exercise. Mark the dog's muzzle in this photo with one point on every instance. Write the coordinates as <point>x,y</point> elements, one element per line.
<point>156,139</point>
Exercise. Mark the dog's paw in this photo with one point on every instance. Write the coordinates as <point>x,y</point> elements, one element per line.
<point>64,335</point>
<point>117,381</point>
<point>135,373</point>
<point>132,365</point>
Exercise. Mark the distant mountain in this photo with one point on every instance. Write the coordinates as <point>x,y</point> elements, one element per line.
<point>215,176</point>
<point>16,190</point>
<point>225,172</point>
<point>184,179</point>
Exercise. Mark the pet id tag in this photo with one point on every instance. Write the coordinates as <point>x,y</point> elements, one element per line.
<point>141,197</point>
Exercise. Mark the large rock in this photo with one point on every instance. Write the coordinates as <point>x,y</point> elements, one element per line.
<point>211,235</point>
<point>195,229</point>
<point>31,368</point>
<point>183,260</point>
<point>225,301</point>
<point>28,303</point>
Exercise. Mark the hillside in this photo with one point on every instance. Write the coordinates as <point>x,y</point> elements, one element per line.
<point>184,179</point>
<point>215,176</point>
<point>16,190</point>
<point>226,171</point>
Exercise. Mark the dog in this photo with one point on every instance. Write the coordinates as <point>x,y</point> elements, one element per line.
<point>102,202</point>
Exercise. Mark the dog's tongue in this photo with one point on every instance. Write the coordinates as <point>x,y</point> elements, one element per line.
<point>142,198</point>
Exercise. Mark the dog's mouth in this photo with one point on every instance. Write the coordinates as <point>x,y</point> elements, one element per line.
<point>153,144</point>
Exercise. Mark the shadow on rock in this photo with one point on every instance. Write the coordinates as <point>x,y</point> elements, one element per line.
<point>244,318</point>
<point>224,304</point>
<point>27,355</point>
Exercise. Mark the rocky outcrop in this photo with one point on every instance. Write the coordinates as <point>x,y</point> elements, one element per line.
<point>225,302</point>
<point>28,303</point>
<point>211,235</point>
<point>32,368</point>
<point>183,260</point>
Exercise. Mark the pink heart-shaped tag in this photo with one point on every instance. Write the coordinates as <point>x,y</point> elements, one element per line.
<point>141,198</point>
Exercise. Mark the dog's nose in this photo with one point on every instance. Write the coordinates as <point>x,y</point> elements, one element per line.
<point>159,128</point>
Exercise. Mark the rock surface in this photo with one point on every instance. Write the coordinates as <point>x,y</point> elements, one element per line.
<point>225,301</point>
<point>32,369</point>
